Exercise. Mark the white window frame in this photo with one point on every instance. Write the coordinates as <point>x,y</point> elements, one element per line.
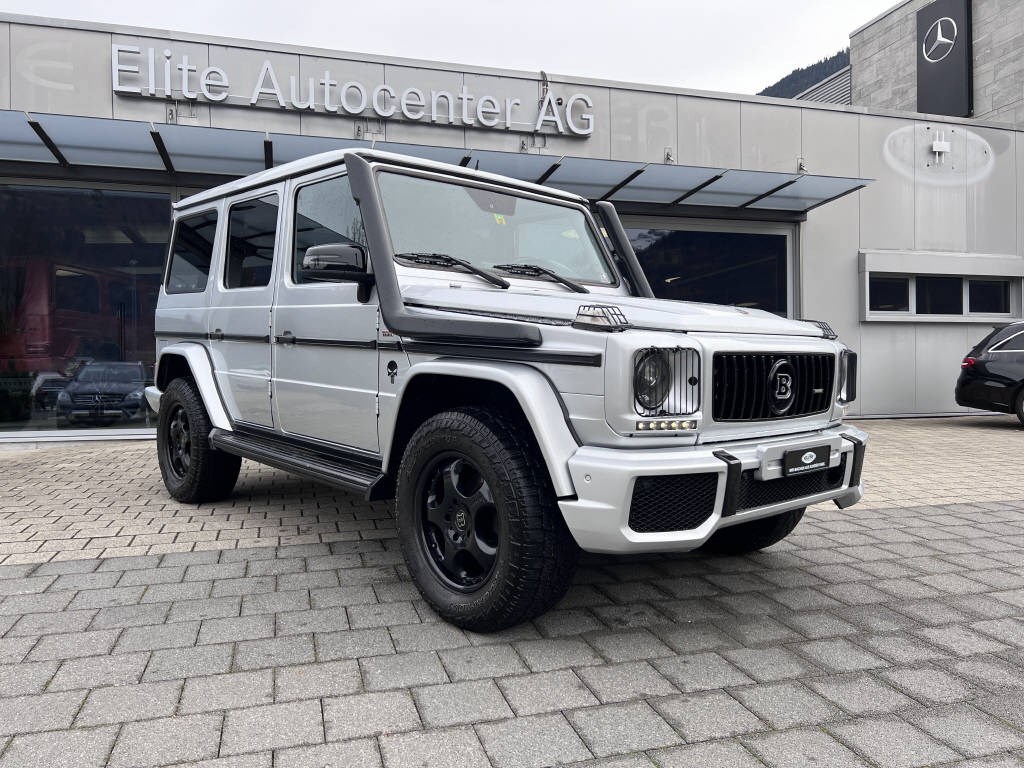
<point>911,314</point>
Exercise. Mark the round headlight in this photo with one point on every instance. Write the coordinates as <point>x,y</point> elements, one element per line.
<point>652,379</point>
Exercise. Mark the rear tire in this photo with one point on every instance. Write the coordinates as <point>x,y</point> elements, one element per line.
<point>752,536</point>
<point>478,521</point>
<point>1019,407</point>
<point>192,470</point>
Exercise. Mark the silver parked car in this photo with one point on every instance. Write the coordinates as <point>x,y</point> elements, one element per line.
<point>488,353</point>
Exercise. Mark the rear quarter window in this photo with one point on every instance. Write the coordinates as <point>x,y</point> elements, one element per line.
<point>191,253</point>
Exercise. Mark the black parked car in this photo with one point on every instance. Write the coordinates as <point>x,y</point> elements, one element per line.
<point>992,374</point>
<point>102,393</point>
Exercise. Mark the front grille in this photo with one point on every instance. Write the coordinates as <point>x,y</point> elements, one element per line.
<point>672,502</point>
<point>97,399</point>
<point>741,390</point>
<point>754,493</point>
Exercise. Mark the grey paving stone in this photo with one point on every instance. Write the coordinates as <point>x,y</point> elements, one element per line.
<point>960,640</point>
<point>44,712</point>
<point>236,628</point>
<point>272,727</point>
<point>315,580</point>
<point>335,597</point>
<point>14,649</point>
<point>231,691</point>
<point>151,638</point>
<point>567,622</point>
<point>474,663</point>
<point>929,685</point>
<point>250,585</point>
<point>104,598</point>
<point>622,682</point>
<point>276,602</point>
<point>257,654</point>
<point>991,672</point>
<point>546,692</point>
<point>769,664</point>
<point>700,672</point>
<point>901,648</point>
<point>78,581</point>
<point>73,645</point>
<point>427,637</point>
<point>124,703</point>
<point>382,615</point>
<point>189,662</point>
<point>205,608</point>
<point>130,615</point>
<point>786,705</point>
<point>1007,630</point>
<point>706,716</point>
<point>546,655</point>
<point>316,620</point>
<point>50,623</point>
<point>402,670</point>
<point>696,637</point>
<point>532,742</point>
<point>27,677</point>
<point>860,694</point>
<point>146,576</point>
<point>818,625</point>
<point>186,591</point>
<point>1008,707</point>
<point>628,645</point>
<point>839,655</point>
<point>212,571</point>
<point>332,678</point>
<point>370,714</point>
<point>892,743</point>
<point>710,754</point>
<point>802,748</point>
<point>968,730</point>
<point>167,740</point>
<point>129,563</point>
<point>275,566</point>
<point>94,671</point>
<point>82,748</point>
<point>362,752</point>
<point>615,729</point>
<point>757,630</point>
<point>473,701</point>
<point>454,748</point>
<point>353,644</point>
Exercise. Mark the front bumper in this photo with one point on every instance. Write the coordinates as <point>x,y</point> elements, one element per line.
<point>604,478</point>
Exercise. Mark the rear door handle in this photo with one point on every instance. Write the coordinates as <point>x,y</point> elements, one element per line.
<point>285,338</point>
<point>217,335</point>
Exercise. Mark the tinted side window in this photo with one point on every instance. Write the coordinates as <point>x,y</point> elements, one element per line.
<point>1015,344</point>
<point>75,291</point>
<point>325,213</point>
<point>191,253</point>
<point>252,229</point>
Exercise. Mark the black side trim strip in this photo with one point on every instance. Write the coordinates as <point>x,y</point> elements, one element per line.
<point>182,335</point>
<point>859,449</point>
<point>242,337</point>
<point>348,343</point>
<point>333,451</point>
<point>390,345</point>
<point>732,481</point>
<point>587,359</point>
<point>214,336</point>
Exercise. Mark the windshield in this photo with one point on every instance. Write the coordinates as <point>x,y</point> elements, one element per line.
<point>487,228</point>
<point>125,374</point>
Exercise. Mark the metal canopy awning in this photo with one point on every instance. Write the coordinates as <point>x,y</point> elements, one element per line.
<point>73,141</point>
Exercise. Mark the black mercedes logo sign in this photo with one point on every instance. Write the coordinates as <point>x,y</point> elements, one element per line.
<point>780,387</point>
<point>939,40</point>
<point>460,519</point>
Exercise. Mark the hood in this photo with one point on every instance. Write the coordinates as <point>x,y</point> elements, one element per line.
<point>103,387</point>
<point>641,313</point>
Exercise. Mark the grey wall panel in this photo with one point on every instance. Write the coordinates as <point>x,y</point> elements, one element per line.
<point>245,65</point>
<point>155,110</point>
<point>940,202</point>
<point>433,135</point>
<point>770,137</point>
<point>1020,193</point>
<point>341,71</point>
<point>709,132</point>
<point>500,141</point>
<point>887,204</point>
<point>319,124</point>
<point>830,142</point>
<point>991,168</point>
<point>60,70</point>
<point>599,142</point>
<point>829,270</point>
<point>888,373</point>
<point>643,126</point>
<point>940,348</point>
<point>5,66</point>
<point>503,90</point>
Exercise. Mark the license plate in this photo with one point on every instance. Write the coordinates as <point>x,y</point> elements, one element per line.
<point>805,460</point>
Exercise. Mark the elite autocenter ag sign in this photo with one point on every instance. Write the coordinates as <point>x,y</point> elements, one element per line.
<point>155,72</point>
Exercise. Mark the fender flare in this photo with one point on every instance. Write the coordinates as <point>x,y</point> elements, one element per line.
<point>537,398</point>
<point>198,359</point>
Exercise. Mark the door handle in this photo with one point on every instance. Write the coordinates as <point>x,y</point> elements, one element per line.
<point>217,335</point>
<point>285,338</point>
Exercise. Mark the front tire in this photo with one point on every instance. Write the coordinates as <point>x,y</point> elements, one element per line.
<point>1019,407</point>
<point>750,537</point>
<point>478,522</point>
<point>192,470</point>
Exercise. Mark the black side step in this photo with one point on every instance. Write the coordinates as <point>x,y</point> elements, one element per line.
<point>302,461</point>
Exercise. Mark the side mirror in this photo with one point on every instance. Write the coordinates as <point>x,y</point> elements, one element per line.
<point>338,262</point>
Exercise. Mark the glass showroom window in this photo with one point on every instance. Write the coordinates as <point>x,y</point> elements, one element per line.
<point>745,264</point>
<point>79,276</point>
<point>947,295</point>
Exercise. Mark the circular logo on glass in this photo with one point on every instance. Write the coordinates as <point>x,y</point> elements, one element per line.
<point>808,457</point>
<point>780,387</point>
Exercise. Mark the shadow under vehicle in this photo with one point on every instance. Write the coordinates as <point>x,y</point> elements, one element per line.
<point>992,373</point>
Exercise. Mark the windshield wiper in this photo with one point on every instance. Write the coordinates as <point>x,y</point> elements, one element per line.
<point>444,260</point>
<point>532,270</point>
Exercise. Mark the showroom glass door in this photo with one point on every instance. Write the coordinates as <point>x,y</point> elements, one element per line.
<point>743,264</point>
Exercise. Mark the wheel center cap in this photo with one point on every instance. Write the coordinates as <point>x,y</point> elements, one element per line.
<point>461,520</point>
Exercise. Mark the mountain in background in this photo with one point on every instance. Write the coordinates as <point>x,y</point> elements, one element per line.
<point>799,80</point>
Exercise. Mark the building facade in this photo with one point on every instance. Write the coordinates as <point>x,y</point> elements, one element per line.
<point>905,234</point>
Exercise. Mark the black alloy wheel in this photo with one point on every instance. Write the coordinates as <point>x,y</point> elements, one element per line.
<point>178,448</point>
<point>460,529</point>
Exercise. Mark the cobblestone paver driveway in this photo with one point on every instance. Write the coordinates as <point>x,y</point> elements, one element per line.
<point>280,629</point>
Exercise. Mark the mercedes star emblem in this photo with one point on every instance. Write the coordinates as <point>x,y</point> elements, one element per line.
<point>939,40</point>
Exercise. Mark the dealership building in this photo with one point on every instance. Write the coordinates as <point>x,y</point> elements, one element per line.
<point>904,231</point>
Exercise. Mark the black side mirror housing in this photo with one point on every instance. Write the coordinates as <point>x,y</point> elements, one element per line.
<point>338,262</point>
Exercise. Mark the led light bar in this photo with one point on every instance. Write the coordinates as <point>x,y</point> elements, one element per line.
<point>665,425</point>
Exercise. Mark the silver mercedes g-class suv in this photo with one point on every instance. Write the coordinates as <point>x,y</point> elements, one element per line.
<point>488,353</point>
